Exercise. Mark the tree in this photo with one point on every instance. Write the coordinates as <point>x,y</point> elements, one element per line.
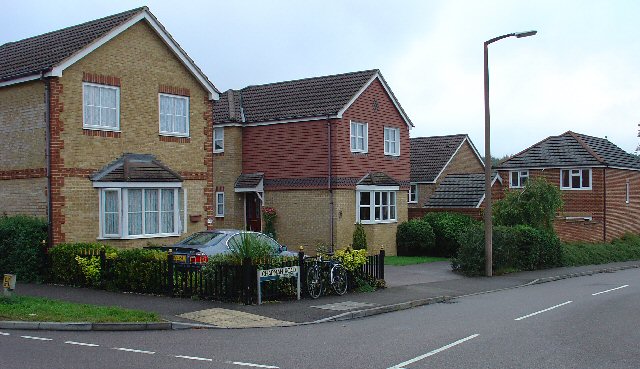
<point>536,205</point>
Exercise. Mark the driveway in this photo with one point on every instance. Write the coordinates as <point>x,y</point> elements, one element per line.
<point>407,275</point>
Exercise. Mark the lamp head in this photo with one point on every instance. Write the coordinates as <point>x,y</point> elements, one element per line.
<point>525,34</point>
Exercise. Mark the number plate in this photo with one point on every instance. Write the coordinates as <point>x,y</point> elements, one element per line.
<point>180,258</point>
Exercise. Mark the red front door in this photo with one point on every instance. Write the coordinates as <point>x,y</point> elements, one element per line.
<point>253,212</point>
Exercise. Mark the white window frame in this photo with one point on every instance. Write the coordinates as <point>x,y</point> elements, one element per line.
<point>188,107</point>
<point>375,194</point>
<point>217,130</point>
<point>179,222</point>
<point>388,141</point>
<point>521,174</point>
<point>627,197</point>
<point>353,133</point>
<point>219,212</point>
<point>413,193</point>
<point>575,172</point>
<point>98,127</point>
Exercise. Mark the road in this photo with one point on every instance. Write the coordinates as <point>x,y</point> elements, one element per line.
<point>586,322</point>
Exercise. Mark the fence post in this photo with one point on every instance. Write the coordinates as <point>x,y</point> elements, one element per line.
<point>170,273</point>
<point>246,280</point>
<point>301,262</point>
<point>381,264</point>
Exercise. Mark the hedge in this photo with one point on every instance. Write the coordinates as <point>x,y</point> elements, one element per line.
<point>415,237</point>
<point>446,227</point>
<point>22,251</point>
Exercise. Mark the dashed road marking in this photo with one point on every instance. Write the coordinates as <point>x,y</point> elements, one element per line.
<point>4,334</point>
<point>193,358</point>
<point>401,365</point>
<point>542,311</point>
<point>81,344</point>
<point>37,338</point>
<point>134,350</point>
<point>613,289</point>
<point>252,365</point>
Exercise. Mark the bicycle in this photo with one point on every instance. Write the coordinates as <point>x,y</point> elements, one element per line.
<point>326,270</point>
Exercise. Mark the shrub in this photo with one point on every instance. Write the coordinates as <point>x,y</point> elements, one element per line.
<point>622,249</point>
<point>269,215</point>
<point>536,205</point>
<point>415,237</point>
<point>446,227</point>
<point>21,249</point>
<point>359,238</point>
<point>65,269</point>
<point>136,270</point>
<point>248,245</point>
<point>352,260</point>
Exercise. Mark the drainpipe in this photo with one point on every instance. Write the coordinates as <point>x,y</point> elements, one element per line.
<point>47,153</point>
<point>331,205</point>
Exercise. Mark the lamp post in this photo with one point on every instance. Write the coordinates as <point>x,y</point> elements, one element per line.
<point>488,226</point>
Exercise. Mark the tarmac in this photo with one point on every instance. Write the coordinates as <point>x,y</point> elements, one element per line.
<point>407,287</point>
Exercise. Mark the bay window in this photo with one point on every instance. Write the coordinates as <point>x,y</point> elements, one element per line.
<point>376,206</point>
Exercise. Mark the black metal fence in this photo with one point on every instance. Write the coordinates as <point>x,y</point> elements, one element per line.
<point>214,281</point>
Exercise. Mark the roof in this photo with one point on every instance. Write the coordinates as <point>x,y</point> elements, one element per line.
<point>572,149</point>
<point>377,179</point>
<point>136,168</point>
<point>50,53</point>
<point>249,180</point>
<point>431,155</point>
<point>460,191</point>
<point>316,97</point>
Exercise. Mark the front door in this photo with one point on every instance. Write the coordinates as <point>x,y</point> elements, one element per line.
<point>253,212</point>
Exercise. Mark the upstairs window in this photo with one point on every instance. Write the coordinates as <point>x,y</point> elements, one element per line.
<point>359,137</point>
<point>174,115</point>
<point>218,139</point>
<point>392,141</point>
<point>413,193</point>
<point>101,107</point>
<point>517,179</point>
<point>575,179</point>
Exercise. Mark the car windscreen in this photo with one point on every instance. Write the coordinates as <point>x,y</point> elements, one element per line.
<point>202,238</point>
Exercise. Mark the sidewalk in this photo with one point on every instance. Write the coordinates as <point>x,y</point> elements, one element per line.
<point>408,286</point>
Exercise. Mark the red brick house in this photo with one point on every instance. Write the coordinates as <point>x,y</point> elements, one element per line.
<point>325,152</point>
<point>599,183</point>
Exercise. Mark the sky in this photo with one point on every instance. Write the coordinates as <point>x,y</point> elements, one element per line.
<point>580,72</point>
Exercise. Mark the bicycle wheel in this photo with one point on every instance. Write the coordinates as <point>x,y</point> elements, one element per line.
<point>314,281</point>
<point>339,279</point>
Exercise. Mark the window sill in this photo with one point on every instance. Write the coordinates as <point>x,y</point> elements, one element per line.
<point>219,217</point>
<point>575,189</point>
<point>412,202</point>
<point>369,222</point>
<point>99,128</point>
<point>162,235</point>
<point>391,156</point>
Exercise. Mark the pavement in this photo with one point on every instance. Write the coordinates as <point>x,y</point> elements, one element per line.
<point>407,287</point>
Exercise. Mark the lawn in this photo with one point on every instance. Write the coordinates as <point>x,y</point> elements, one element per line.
<point>26,308</point>
<point>410,260</point>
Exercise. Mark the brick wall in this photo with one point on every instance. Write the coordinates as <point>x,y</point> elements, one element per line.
<point>622,217</point>
<point>227,166</point>
<point>23,196</point>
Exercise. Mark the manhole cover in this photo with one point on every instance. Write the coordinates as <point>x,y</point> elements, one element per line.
<point>342,306</point>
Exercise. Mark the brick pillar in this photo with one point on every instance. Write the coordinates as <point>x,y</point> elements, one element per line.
<point>208,161</point>
<point>56,126</point>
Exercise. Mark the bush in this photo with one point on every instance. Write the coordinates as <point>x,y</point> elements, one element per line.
<point>359,238</point>
<point>514,249</point>
<point>352,260</point>
<point>21,249</point>
<point>536,205</point>
<point>446,227</point>
<point>136,270</point>
<point>415,237</point>
<point>250,246</point>
<point>64,268</point>
<point>622,249</point>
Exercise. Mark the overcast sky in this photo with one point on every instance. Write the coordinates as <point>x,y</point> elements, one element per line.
<point>580,73</point>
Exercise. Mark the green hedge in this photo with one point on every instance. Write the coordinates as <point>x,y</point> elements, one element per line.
<point>621,249</point>
<point>447,227</point>
<point>414,238</point>
<point>21,249</point>
<point>514,248</point>
<point>63,266</point>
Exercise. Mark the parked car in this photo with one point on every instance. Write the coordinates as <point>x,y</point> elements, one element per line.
<point>196,249</point>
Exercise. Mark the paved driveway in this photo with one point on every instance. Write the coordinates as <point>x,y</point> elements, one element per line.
<point>419,273</point>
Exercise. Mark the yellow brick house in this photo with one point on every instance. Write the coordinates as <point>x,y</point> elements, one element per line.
<point>106,129</point>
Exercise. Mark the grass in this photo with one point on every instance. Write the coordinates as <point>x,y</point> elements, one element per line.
<point>26,308</point>
<point>411,260</point>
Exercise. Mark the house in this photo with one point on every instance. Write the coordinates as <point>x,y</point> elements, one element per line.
<point>463,193</point>
<point>599,183</point>
<point>324,152</point>
<point>107,130</point>
<point>433,158</point>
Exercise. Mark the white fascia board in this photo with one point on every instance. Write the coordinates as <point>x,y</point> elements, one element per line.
<point>449,161</point>
<point>386,89</point>
<point>19,80</point>
<point>57,70</point>
<point>296,120</point>
<point>377,188</point>
<point>137,184</point>
<point>475,151</point>
<point>480,202</point>
<point>558,167</point>
<point>496,178</point>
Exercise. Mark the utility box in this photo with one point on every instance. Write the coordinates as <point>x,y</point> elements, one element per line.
<point>8,284</point>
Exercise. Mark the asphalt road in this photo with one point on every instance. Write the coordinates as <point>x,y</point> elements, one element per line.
<point>586,322</point>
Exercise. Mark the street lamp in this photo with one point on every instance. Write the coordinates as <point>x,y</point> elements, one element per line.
<point>488,236</point>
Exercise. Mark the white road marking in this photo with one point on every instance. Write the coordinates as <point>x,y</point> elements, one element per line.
<point>613,289</point>
<point>37,338</point>
<point>4,334</point>
<point>81,344</point>
<point>253,365</point>
<point>193,358</point>
<point>431,353</point>
<point>134,350</point>
<point>542,311</point>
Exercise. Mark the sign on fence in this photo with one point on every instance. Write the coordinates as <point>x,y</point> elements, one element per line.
<point>277,273</point>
